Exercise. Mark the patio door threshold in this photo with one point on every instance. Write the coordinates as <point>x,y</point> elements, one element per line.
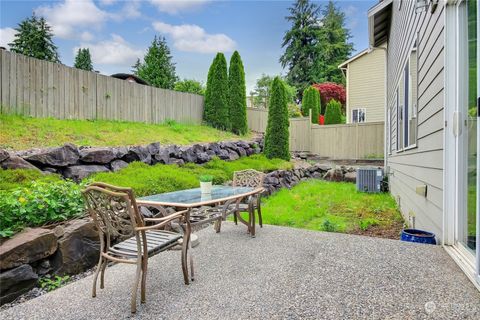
<point>465,261</point>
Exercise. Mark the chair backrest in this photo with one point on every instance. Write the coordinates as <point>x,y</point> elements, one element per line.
<point>248,178</point>
<point>114,211</point>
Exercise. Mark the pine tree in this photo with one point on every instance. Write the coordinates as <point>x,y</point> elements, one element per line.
<point>277,136</point>
<point>333,113</point>
<point>237,100</point>
<point>83,60</point>
<point>311,101</point>
<point>333,44</point>
<point>34,39</point>
<point>301,44</point>
<point>216,98</point>
<point>157,67</point>
<point>136,66</point>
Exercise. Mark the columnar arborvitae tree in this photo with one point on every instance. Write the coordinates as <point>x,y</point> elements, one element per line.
<point>237,99</point>
<point>276,136</point>
<point>34,39</point>
<point>83,60</point>
<point>208,112</point>
<point>216,98</point>
<point>311,101</point>
<point>333,113</point>
<point>157,67</point>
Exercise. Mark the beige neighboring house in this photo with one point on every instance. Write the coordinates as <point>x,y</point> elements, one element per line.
<point>365,74</point>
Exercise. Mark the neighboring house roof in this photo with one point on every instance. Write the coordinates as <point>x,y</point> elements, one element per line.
<point>379,17</point>
<point>355,57</point>
<point>125,76</point>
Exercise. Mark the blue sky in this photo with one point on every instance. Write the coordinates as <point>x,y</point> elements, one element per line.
<point>117,32</point>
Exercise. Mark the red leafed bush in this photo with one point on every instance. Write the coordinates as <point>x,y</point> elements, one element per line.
<point>329,91</point>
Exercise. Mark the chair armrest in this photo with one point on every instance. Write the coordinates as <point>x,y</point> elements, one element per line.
<point>163,221</point>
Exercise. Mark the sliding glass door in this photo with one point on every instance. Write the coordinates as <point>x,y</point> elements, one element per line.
<point>468,90</point>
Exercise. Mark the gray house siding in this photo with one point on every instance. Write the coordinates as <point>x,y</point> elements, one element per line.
<point>423,164</point>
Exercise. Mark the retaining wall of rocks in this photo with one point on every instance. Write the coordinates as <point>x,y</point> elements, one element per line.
<point>79,162</point>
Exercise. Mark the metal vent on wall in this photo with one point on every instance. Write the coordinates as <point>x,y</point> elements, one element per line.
<point>369,179</point>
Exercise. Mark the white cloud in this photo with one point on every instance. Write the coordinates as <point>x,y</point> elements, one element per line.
<point>131,9</point>
<point>86,36</point>
<point>67,16</point>
<point>176,6</point>
<point>115,51</point>
<point>352,15</point>
<point>192,38</point>
<point>6,36</point>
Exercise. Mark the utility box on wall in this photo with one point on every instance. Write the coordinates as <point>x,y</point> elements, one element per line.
<point>369,179</point>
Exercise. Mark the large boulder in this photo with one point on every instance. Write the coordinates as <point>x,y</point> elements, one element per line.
<point>4,155</point>
<point>15,162</point>
<point>78,248</point>
<point>138,153</point>
<point>55,157</point>
<point>26,247</point>
<point>153,148</point>
<point>350,176</point>
<point>188,154</point>
<point>223,154</point>
<point>97,155</point>
<point>16,282</point>
<point>118,164</point>
<point>203,157</point>
<point>334,174</point>
<point>162,156</point>
<point>80,172</point>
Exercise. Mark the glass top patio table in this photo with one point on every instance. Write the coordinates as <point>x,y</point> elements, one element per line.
<point>194,197</point>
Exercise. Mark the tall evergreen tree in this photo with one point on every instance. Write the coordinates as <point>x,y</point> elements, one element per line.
<point>333,113</point>
<point>311,101</point>
<point>34,39</point>
<point>216,111</point>
<point>208,109</point>
<point>301,44</point>
<point>157,67</point>
<point>277,136</point>
<point>83,60</point>
<point>334,45</point>
<point>237,99</point>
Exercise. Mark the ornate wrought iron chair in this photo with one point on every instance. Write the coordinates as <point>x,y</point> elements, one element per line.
<point>253,179</point>
<point>125,237</point>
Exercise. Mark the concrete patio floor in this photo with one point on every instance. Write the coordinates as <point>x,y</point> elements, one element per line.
<point>282,273</point>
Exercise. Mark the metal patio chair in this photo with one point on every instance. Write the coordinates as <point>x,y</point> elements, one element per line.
<point>253,179</point>
<point>125,236</point>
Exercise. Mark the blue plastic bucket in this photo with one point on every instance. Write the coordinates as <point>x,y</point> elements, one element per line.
<point>419,236</point>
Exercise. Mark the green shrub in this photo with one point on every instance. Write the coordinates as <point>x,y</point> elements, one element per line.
<point>276,136</point>
<point>216,111</point>
<point>294,111</point>
<point>311,101</point>
<point>333,113</point>
<point>11,179</point>
<point>160,178</point>
<point>38,204</point>
<point>237,99</point>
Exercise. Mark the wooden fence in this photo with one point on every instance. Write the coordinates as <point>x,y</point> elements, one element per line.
<point>343,141</point>
<point>39,88</point>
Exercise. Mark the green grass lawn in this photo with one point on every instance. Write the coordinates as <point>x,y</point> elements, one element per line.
<point>333,206</point>
<point>20,133</point>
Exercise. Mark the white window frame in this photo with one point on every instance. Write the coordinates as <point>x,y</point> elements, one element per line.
<point>406,100</point>
<point>364,110</point>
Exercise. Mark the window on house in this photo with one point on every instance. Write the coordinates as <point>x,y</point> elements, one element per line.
<point>411,96</point>
<point>407,103</point>
<point>359,115</point>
